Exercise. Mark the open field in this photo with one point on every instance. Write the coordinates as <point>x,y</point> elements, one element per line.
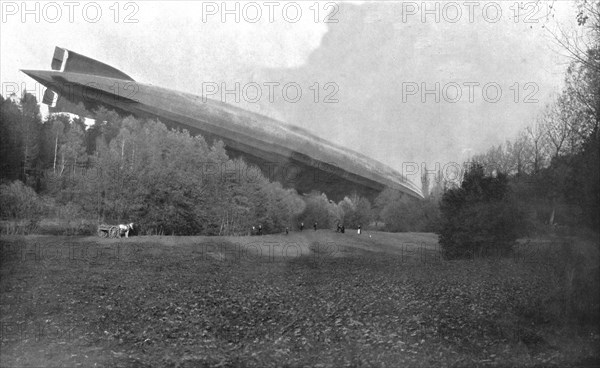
<point>307,299</point>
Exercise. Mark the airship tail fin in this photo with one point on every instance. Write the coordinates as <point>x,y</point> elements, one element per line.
<point>50,98</point>
<point>68,61</point>
<point>59,59</point>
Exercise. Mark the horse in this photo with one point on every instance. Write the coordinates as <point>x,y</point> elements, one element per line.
<point>124,229</point>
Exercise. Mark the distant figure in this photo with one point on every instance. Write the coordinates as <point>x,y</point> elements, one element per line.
<point>259,229</point>
<point>287,230</point>
<point>315,226</point>
<point>253,231</point>
<point>343,229</point>
<point>358,229</point>
<point>301,226</point>
<point>339,228</point>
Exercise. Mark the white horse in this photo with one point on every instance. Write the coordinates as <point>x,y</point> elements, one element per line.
<point>124,229</point>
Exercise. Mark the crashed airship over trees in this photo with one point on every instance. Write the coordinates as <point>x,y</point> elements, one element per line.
<point>301,160</point>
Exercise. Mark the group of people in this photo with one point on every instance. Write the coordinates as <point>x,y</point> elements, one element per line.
<point>257,230</point>
<point>302,226</point>
<point>340,229</point>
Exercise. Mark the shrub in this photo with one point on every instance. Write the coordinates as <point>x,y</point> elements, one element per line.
<point>18,201</point>
<point>401,213</point>
<point>355,211</point>
<point>480,217</point>
<point>320,210</point>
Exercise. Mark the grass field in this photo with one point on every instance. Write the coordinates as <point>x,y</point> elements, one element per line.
<point>307,299</point>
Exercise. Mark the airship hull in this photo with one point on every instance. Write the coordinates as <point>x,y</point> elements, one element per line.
<point>286,153</point>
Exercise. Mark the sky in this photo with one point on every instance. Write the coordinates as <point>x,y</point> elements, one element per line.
<point>402,82</point>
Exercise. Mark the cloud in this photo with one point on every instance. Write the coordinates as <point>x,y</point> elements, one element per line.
<point>371,53</point>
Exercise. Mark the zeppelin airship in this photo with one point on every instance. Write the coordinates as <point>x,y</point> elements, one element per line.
<point>303,160</point>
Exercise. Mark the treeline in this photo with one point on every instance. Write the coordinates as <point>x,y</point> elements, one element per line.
<point>545,180</point>
<point>121,169</point>
<point>553,164</point>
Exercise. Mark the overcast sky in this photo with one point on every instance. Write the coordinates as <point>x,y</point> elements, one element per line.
<point>370,57</point>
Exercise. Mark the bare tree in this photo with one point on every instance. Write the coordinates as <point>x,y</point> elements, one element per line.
<point>537,147</point>
<point>517,153</point>
<point>558,122</point>
<point>582,45</point>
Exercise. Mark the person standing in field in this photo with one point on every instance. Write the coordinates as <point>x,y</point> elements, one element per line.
<point>315,226</point>
<point>358,229</point>
<point>301,226</point>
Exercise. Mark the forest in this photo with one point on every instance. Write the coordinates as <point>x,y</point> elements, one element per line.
<point>74,175</point>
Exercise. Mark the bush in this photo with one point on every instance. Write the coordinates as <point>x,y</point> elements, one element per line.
<point>480,217</point>
<point>409,214</point>
<point>355,211</point>
<point>401,213</point>
<point>18,201</point>
<point>19,227</point>
<point>320,210</point>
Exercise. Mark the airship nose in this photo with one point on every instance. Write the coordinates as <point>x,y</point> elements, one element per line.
<point>44,77</point>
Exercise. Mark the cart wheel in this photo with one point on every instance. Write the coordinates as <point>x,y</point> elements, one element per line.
<point>113,232</point>
<point>100,233</point>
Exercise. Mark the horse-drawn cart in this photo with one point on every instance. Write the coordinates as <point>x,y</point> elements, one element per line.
<point>108,231</point>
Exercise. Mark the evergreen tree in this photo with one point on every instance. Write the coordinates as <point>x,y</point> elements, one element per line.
<point>480,217</point>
